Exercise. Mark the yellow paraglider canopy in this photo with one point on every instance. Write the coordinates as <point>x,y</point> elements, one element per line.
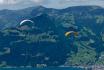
<point>67,34</point>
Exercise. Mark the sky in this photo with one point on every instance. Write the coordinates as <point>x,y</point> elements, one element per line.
<point>59,4</point>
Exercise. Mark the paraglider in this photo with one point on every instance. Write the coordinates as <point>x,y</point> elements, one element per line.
<point>24,21</point>
<point>26,25</point>
<point>71,33</point>
<point>71,36</point>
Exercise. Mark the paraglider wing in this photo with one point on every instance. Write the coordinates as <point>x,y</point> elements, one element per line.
<point>22,22</point>
<point>67,34</point>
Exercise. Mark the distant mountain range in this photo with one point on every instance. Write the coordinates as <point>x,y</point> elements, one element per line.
<point>43,43</point>
<point>11,18</point>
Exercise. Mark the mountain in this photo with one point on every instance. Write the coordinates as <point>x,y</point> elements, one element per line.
<point>42,42</point>
<point>11,18</point>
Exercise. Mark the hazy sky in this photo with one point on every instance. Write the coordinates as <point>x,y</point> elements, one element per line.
<point>18,4</point>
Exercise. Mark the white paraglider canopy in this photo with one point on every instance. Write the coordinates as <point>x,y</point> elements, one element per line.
<point>27,20</point>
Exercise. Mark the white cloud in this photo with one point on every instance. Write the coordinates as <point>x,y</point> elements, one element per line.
<point>40,1</point>
<point>17,4</point>
<point>1,1</point>
<point>8,2</point>
<point>79,0</point>
<point>37,1</point>
<point>66,3</point>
